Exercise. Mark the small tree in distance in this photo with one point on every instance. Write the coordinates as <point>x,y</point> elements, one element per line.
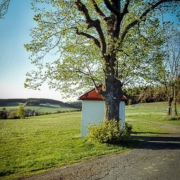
<point>21,111</point>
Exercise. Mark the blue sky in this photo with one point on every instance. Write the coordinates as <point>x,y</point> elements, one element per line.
<point>14,62</point>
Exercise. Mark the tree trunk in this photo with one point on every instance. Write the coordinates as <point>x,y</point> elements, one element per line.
<point>170,99</point>
<point>175,107</point>
<point>112,94</point>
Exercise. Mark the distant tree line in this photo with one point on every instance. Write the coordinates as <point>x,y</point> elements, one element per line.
<point>5,102</point>
<point>34,102</point>
<point>18,113</point>
<point>148,94</point>
<point>145,94</point>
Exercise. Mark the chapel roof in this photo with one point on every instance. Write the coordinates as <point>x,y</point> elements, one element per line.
<point>93,95</point>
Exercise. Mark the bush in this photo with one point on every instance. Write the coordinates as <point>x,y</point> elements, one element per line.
<point>128,128</point>
<point>109,132</point>
<point>3,115</point>
<point>13,115</point>
<point>176,118</point>
<point>21,111</point>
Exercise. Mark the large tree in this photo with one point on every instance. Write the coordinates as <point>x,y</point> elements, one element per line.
<point>94,41</point>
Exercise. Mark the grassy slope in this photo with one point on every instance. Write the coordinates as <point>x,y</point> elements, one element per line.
<point>43,142</point>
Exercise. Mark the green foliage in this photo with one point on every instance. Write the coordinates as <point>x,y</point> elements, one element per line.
<point>146,93</point>
<point>108,131</point>
<point>21,111</point>
<point>86,42</point>
<point>13,115</point>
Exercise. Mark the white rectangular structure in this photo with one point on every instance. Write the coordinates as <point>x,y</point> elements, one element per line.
<point>93,112</point>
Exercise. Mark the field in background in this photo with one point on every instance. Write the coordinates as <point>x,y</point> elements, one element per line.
<point>40,143</point>
<point>151,118</point>
<point>42,108</point>
<point>158,106</point>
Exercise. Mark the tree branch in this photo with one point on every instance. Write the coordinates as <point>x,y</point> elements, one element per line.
<point>141,18</point>
<point>95,85</point>
<point>112,8</point>
<point>125,9</point>
<point>92,23</point>
<point>89,75</point>
<point>89,37</point>
<point>101,14</point>
<point>4,8</point>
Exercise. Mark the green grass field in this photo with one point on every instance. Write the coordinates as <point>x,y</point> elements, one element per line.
<point>145,118</point>
<point>40,143</point>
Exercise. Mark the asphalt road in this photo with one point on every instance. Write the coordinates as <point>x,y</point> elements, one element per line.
<point>158,158</point>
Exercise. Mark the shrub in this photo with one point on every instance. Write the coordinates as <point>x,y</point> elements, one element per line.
<point>128,128</point>
<point>21,111</point>
<point>13,115</point>
<point>176,118</point>
<point>109,132</point>
<point>3,115</point>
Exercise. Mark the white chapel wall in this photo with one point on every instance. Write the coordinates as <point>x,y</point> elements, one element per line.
<point>93,112</point>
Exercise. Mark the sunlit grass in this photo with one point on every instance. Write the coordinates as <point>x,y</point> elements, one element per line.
<point>40,143</point>
<point>43,142</point>
<point>145,118</point>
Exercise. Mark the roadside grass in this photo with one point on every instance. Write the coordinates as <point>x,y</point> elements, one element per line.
<point>40,143</point>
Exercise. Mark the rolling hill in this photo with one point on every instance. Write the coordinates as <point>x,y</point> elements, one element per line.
<point>39,105</point>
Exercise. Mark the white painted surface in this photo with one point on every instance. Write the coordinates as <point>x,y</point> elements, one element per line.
<point>93,112</point>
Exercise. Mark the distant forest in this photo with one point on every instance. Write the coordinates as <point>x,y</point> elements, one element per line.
<point>149,94</point>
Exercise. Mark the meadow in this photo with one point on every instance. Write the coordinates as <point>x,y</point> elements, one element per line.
<point>40,143</point>
<point>149,118</point>
<point>41,109</point>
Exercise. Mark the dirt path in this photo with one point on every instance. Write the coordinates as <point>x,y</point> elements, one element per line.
<point>158,158</point>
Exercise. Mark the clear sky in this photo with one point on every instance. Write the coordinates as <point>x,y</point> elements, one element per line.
<point>14,62</point>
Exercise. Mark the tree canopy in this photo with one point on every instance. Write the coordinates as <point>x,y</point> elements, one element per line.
<point>95,42</point>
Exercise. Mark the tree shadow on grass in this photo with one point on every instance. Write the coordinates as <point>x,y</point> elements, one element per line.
<point>170,141</point>
<point>134,133</point>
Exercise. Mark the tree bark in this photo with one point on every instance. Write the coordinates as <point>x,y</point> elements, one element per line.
<point>169,111</point>
<point>112,94</point>
<point>175,99</point>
